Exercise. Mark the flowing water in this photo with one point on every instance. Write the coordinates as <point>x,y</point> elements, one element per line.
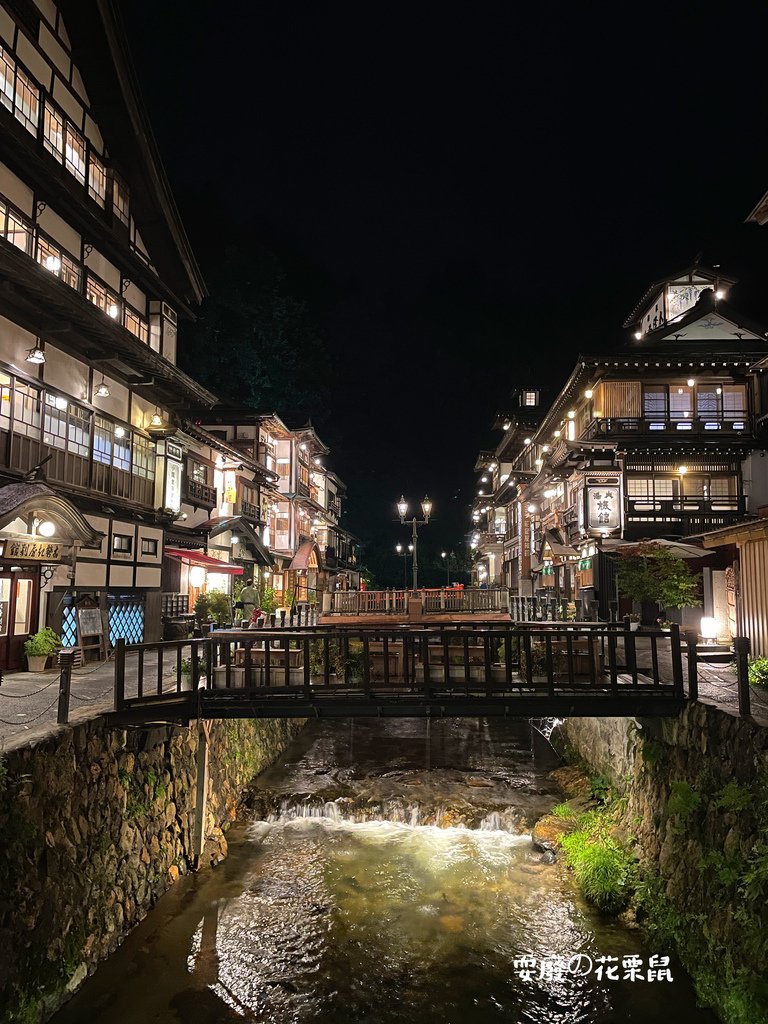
<point>390,878</point>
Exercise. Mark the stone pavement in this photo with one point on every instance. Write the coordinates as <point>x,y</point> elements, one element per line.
<point>29,700</point>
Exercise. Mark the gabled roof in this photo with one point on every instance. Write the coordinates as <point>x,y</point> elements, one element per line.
<point>709,320</point>
<point>699,269</point>
<point>760,213</point>
<point>100,51</point>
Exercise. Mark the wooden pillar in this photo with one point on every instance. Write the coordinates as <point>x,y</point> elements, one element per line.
<point>201,796</point>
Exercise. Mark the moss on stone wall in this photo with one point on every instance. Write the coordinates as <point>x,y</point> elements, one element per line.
<point>95,824</point>
<point>697,804</point>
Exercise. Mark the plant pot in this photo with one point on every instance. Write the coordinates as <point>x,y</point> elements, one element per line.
<point>37,662</point>
<point>633,626</point>
<point>186,680</point>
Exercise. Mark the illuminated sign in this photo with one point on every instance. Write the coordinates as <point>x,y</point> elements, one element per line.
<point>32,550</point>
<point>603,507</point>
<point>173,472</point>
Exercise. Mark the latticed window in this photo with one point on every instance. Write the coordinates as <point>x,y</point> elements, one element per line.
<point>734,400</point>
<point>53,131</point>
<point>143,457</point>
<point>126,618</point>
<point>27,98</point>
<point>102,296</point>
<point>15,228</point>
<point>97,179</point>
<point>26,410</point>
<point>5,401</point>
<point>75,153</point>
<point>198,471</point>
<point>120,198</point>
<point>55,421</point>
<point>655,402</point>
<point>121,449</point>
<point>136,324</point>
<point>7,75</point>
<point>102,441</point>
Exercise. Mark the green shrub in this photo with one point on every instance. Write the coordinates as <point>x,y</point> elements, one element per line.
<point>683,799</point>
<point>604,871</point>
<point>757,671</point>
<point>732,797</point>
<point>600,788</point>
<point>42,644</point>
<point>654,752</point>
<point>564,811</point>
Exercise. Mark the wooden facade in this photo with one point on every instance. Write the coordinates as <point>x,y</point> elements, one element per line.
<point>658,440</point>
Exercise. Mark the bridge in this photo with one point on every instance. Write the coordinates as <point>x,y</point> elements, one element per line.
<point>531,669</point>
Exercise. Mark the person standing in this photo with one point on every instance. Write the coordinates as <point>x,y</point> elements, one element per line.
<point>250,599</point>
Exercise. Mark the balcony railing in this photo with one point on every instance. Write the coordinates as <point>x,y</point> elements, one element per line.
<point>202,494</point>
<point>719,423</point>
<point>693,514</point>
<point>249,510</point>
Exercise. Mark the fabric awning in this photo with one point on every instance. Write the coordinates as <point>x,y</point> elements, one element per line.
<point>302,557</point>
<point>198,558</point>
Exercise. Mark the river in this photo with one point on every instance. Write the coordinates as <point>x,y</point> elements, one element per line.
<point>392,882</point>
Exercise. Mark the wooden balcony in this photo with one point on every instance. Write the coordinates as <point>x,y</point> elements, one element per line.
<point>199,494</point>
<point>688,515</point>
<point>716,425</point>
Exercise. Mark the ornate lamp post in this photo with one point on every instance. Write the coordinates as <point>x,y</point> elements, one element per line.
<point>404,556</point>
<point>402,510</point>
<point>447,556</point>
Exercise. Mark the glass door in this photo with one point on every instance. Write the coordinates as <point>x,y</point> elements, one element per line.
<point>19,593</point>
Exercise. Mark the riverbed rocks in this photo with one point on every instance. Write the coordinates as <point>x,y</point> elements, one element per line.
<point>95,824</point>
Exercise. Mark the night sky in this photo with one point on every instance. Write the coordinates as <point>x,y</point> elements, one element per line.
<point>467,200</point>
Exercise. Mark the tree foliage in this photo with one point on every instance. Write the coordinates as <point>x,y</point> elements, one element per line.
<point>652,573</point>
<point>255,342</point>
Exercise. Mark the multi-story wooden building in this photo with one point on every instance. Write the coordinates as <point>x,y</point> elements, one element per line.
<point>112,496</point>
<point>300,503</point>
<point>96,270</point>
<point>660,440</point>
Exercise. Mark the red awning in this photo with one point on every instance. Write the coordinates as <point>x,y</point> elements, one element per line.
<point>198,558</point>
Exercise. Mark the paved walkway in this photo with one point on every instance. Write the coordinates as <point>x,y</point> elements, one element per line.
<point>29,700</point>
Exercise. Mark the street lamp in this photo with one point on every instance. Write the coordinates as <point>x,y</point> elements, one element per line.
<point>404,556</point>
<point>402,511</point>
<point>447,556</point>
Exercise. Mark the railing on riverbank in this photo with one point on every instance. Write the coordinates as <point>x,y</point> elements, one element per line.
<point>431,601</point>
<point>491,668</point>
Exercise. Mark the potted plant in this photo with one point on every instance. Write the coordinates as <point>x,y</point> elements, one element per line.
<point>39,647</point>
<point>663,624</point>
<point>634,621</point>
<point>186,674</point>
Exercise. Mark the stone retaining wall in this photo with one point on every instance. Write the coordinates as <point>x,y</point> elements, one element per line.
<point>696,790</point>
<point>95,824</point>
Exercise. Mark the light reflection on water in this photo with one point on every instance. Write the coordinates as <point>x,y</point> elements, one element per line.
<point>316,919</point>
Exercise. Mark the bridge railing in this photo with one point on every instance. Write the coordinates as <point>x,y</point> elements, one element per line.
<point>440,599</point>
<point>488,660</point>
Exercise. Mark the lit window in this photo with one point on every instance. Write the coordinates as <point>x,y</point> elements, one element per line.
<point>143,457</point>
<point>136,324</point>
<point>53,131</point>
<point>16,229</point>
<point>122,543</point>
<point>58,263</point>
<point>97,180</point>
<point>27,97</point>
<point>106,300</point>
<point>119,198</point>
<point>75,153</point>
<point>530,398</point>
<point>7,74</point>
<point>26,410</point>
<point>148,546</point>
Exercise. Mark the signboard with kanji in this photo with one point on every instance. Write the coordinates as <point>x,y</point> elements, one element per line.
<point>31,550</point>
<point>603,507</point>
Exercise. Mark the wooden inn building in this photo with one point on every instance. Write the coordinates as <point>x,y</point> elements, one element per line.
<point>661,440</point>
<point>119,489</point>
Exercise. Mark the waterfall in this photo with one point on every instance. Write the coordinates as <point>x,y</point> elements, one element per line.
<point>412,814</point>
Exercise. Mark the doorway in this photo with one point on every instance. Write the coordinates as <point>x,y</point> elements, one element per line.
<point>19,596</point>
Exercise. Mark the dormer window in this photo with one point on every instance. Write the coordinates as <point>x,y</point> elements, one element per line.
<point>529,399</point>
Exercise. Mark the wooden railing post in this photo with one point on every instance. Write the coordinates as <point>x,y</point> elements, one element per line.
<point>66,660</point>
<point>741,650</point>
<point>677,660</point>
<point>691,640</point>
<point>119,702</point>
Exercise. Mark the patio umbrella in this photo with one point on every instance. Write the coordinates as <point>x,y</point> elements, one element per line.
<point>676,547</point>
